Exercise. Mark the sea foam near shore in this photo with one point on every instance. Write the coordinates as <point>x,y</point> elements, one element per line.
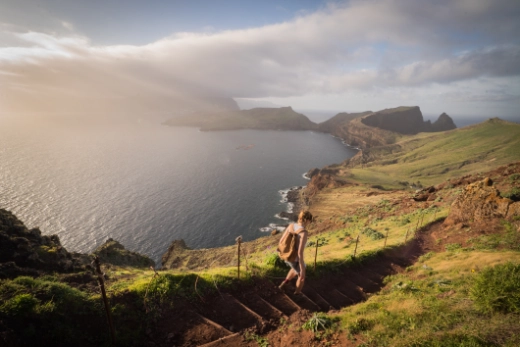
<point>290,197</point>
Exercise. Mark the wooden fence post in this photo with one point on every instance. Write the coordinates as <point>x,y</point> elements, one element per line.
<point>417,225</point>
<point>406,235</point>
<point>105,300</point>
<point>355,249</point>
<point>238,240</point>
<point>316,253</point>
<point>386,238</point>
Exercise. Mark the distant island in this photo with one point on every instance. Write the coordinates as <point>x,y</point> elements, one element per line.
<point>364,129</point>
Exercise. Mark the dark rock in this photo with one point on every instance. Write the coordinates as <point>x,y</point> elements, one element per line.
<point>407,120</point>
<point>312,172</point>
<point>28,252</point>
<point>172,257</point>
<point>112,252</point>
<point>443,123</point>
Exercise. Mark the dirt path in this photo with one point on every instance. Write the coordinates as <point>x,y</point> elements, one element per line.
<point>263,309</point>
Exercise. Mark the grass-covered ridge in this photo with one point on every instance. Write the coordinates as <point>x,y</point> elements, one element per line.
<point>433,158</point>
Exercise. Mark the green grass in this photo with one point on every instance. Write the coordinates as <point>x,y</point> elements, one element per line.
<point>497,289</point>
<point>430,304</point>
<point>434,158</point>
<point>42,310</point>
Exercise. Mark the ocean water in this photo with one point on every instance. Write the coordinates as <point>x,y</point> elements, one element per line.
<point>145,184</point>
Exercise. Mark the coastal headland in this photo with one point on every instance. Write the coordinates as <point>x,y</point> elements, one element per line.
<point>406,232</point>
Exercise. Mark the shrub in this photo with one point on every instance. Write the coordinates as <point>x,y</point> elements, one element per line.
<point>275,261</point>
<point>514,177</point>
<point>360,325</point>
<point>261,341</point>
<point>373,234</point>
<point>497,289</point>
<point>318,321</point>
<point>405,220</point>
<point>452,247</point>
<point>25,281</point>
<point>21,305</point>
<point>513,194</point>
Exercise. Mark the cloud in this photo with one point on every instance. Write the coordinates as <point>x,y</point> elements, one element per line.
<point>355,46</point>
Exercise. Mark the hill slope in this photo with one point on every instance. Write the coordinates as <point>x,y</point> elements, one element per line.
<point>369,129</point>
<point>283,118</point>
<point>432,158</point>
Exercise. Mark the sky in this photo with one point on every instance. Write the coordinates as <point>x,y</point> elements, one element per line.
<point>461,57</point>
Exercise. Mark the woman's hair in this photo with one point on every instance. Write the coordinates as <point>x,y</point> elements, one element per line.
<point>305,216</point>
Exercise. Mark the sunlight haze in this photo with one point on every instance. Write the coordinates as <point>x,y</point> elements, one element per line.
<point>460,57</point>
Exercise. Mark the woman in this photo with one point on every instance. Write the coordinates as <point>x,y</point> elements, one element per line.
<point>298,266</point>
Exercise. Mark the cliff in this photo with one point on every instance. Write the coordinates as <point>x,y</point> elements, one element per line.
<point>363,129</point>
<point>407,120</point>
<point>370,129</point>
<point>112,252</point>
<point>28,252</point>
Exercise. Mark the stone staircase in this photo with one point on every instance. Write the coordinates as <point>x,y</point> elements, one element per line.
<point>259,307</point>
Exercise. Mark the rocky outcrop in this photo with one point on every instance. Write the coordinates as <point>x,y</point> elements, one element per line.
<point>175,254</point>
<point>443,123</point>
<point>28,252</point>
<point>425,194</point>
<point>407,120</point>
<point>479,203</point>
<point>112,252</point>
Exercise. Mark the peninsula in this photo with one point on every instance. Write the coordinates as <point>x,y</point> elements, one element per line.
<point>364,129</point>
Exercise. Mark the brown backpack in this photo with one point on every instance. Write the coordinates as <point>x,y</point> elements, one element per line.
<point>288,245</point>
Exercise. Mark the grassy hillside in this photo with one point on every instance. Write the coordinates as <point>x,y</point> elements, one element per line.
<point>336,125</point>
<point>433,158</point>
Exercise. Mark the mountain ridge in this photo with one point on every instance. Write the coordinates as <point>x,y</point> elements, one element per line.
<point>362,129</point>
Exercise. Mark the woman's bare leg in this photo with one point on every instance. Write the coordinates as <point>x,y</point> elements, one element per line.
<point>290,275</point>
<point>299,285</point>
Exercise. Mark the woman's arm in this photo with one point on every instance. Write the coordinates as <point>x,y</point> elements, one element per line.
<point>301,248</point>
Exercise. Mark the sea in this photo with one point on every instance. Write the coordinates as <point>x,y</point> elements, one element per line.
<point>145,184</point>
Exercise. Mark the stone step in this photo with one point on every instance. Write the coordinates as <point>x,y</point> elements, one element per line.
<point>345,296</point>
<point>301,300</point>
<point>335,298</point>
<point>262,307</point>
<point>317,298</point>
<point>276,298</point>
<point>190,328</point>
<point>353,291</point>
<point>230,340</point>
<point>358,277</point>
<point>240,319</point>
<point>374,277</point>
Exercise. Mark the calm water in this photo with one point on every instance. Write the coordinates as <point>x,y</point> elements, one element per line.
<point>145,184</point>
